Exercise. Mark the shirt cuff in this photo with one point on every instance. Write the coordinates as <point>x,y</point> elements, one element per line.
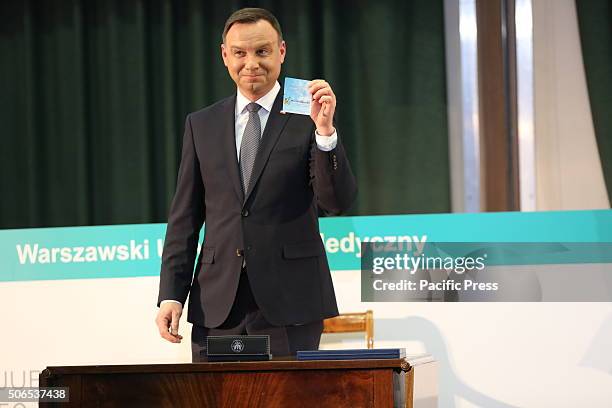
<point>170,300</point>
<point>327,143</point>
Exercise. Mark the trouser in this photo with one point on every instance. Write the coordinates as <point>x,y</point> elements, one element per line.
<point>246,318</point>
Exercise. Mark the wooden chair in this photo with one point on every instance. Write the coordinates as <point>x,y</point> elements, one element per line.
<point>352,323</point>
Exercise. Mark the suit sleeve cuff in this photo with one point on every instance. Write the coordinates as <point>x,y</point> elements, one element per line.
<point>327,143</point>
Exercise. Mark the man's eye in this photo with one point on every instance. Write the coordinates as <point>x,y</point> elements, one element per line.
<point>239,53</point>
<point>263,52</point>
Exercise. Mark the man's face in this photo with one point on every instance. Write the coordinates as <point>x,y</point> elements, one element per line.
<point>253,57</point>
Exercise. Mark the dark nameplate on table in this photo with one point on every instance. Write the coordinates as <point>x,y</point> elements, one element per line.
<point>238,348</point>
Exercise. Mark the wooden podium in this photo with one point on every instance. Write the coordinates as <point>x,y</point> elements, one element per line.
<point>276,383</point>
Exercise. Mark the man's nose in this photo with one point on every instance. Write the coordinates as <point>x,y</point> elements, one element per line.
<point>252,64</point>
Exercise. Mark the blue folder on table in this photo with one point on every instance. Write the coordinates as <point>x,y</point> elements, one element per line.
<point>353,354</point>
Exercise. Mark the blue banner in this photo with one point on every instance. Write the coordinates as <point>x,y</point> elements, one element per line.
<point>135,250</point>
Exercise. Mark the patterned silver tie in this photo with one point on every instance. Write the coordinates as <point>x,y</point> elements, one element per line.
<point>250,144</point>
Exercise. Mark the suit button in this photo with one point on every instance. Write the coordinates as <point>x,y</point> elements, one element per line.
<point>239,252</point>
<point>245,213</point>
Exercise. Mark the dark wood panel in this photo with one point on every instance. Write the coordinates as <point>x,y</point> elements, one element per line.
<point>354,388</point>
<point>383,388</point>
<point>351,383</point>
<point>74,384</point>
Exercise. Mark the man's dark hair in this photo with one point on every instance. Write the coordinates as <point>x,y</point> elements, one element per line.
<point>251,16</point>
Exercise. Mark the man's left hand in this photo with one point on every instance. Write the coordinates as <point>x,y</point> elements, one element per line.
<point>323,106</point>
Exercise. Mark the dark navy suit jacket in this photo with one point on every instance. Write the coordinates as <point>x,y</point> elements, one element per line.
<point>273,227</point>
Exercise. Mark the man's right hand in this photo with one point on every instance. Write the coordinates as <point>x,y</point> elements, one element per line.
<point>168,321</point>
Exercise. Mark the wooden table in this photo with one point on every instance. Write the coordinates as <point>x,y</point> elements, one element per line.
<point>276,383</point>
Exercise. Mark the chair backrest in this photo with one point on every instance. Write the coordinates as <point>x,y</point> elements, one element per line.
<point>352,323</point>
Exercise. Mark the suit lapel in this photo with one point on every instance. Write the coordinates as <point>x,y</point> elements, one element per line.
<point>229,146</point>
<point>274,126</point>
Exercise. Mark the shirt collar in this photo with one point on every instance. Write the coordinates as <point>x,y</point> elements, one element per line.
<point>265,101</point>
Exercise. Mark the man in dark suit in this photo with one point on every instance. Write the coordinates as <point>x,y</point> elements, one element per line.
<point>256,177</point>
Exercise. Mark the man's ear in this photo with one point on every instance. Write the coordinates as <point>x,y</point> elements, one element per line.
<point>224,54</point>
<point>283,51</point>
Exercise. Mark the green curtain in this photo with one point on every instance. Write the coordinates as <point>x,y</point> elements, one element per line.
<point>94,95</point>
<point>595,22</point>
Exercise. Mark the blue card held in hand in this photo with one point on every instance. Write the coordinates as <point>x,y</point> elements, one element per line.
<point>296,98</point>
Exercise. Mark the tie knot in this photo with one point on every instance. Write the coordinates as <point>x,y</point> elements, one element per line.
<point>253,107</point>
